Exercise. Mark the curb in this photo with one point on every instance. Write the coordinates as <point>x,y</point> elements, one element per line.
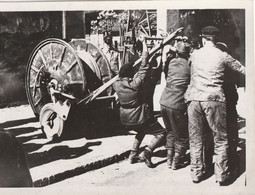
<point>80,170</point>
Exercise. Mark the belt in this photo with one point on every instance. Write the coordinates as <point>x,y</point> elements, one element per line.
<point>130,106</point>
<point>176,87</point>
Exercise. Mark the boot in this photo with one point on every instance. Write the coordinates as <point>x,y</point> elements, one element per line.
<point>133,157</point>
<point>146,157</point>
<point>177,161</point>
<point>169,158</point>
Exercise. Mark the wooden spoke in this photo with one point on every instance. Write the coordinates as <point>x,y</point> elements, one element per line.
<point>42,57</point>
<point>34,69</point>
<point>38,101</point>
<point>71,67</point>
<point>51,51</point>
<point>76,82</point>
<point>87,46</point>
<point>36,78</point>
<point>36,86</point>
<point>61,57</point>
<point>98,58</point>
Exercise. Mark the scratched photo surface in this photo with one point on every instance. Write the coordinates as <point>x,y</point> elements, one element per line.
<point>61,111</point>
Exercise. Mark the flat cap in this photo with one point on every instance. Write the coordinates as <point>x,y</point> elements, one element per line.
<point>210,31</point>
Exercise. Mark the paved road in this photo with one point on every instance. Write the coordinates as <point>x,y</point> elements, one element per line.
<point>98,163</point>
<point>123,177</point>
<point>135,178</point>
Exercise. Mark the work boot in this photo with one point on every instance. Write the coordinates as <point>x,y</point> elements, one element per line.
<point>177,161</point>
<point>146,157</point>
<point>169,158</point>
<point>133,157</point>
<point>227,181</point>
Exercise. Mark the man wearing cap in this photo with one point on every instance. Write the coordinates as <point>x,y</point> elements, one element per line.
<point>207,105</point>
<point>112,54</point>
<point>173,107</point>
<point>169,52</point>
<point>135,113</point>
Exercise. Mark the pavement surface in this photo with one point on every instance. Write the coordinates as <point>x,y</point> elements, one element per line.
<point>62,164</point>
<point>52,162</point>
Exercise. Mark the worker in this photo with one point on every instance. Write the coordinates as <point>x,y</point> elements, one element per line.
<point>135,113</point>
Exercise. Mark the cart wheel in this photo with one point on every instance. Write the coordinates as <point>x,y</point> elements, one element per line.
<point>51,123</point>
<point>53,59</point>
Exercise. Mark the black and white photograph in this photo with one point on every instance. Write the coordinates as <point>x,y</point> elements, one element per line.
<point>127,97</point>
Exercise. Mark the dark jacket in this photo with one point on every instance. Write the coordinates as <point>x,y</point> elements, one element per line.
<point>177,81</point>
<point>134,111</point>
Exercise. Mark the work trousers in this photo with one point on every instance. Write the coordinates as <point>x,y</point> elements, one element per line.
<point>232,130</point>
<point>201,115</point>
<point>154,129</point>
<point>176,123</point>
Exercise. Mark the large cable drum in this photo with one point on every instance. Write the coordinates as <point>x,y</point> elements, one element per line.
<point>78,67</point>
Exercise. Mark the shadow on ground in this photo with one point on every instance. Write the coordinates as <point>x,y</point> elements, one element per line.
<point>58,153</point>
<point>14,123</point>
<point>93,124</point>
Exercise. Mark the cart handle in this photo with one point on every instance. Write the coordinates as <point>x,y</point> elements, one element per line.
<point>99,90</point>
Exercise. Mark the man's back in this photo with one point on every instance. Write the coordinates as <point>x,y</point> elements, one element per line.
<point>207,75</point>
<point>177,81</point>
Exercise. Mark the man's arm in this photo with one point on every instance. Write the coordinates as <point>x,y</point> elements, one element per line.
<point>234,64</point>
<point>139,77</point>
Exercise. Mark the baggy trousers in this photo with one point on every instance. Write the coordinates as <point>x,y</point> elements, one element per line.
<point>200,115</point>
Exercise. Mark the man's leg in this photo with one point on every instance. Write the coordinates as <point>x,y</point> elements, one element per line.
<point>166,115</point>
<point>159,136</point>
<point>216,117</point>
<point>179,124</point>
<point>196,137</point>
<point>232,131</point>
<point>133,157</point>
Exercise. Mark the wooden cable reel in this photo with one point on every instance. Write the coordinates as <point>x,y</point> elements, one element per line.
<point>77,68</point>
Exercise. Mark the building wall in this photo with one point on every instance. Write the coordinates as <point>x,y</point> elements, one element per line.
<point>20,32</point>
<point>231,23</point>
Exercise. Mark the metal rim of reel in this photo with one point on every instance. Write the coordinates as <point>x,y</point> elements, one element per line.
<point>94,67</point>
<point>107,63</point>
<point>106,60</point>
<point>30,63</point>
<point>52,124</point>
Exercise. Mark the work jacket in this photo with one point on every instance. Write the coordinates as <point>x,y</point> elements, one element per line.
<point>177,81</point>
<point>134,110</point>
<point>113,58</point>
<point>207,74</point>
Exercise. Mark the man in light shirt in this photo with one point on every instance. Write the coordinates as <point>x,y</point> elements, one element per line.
<point>207,106</point>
